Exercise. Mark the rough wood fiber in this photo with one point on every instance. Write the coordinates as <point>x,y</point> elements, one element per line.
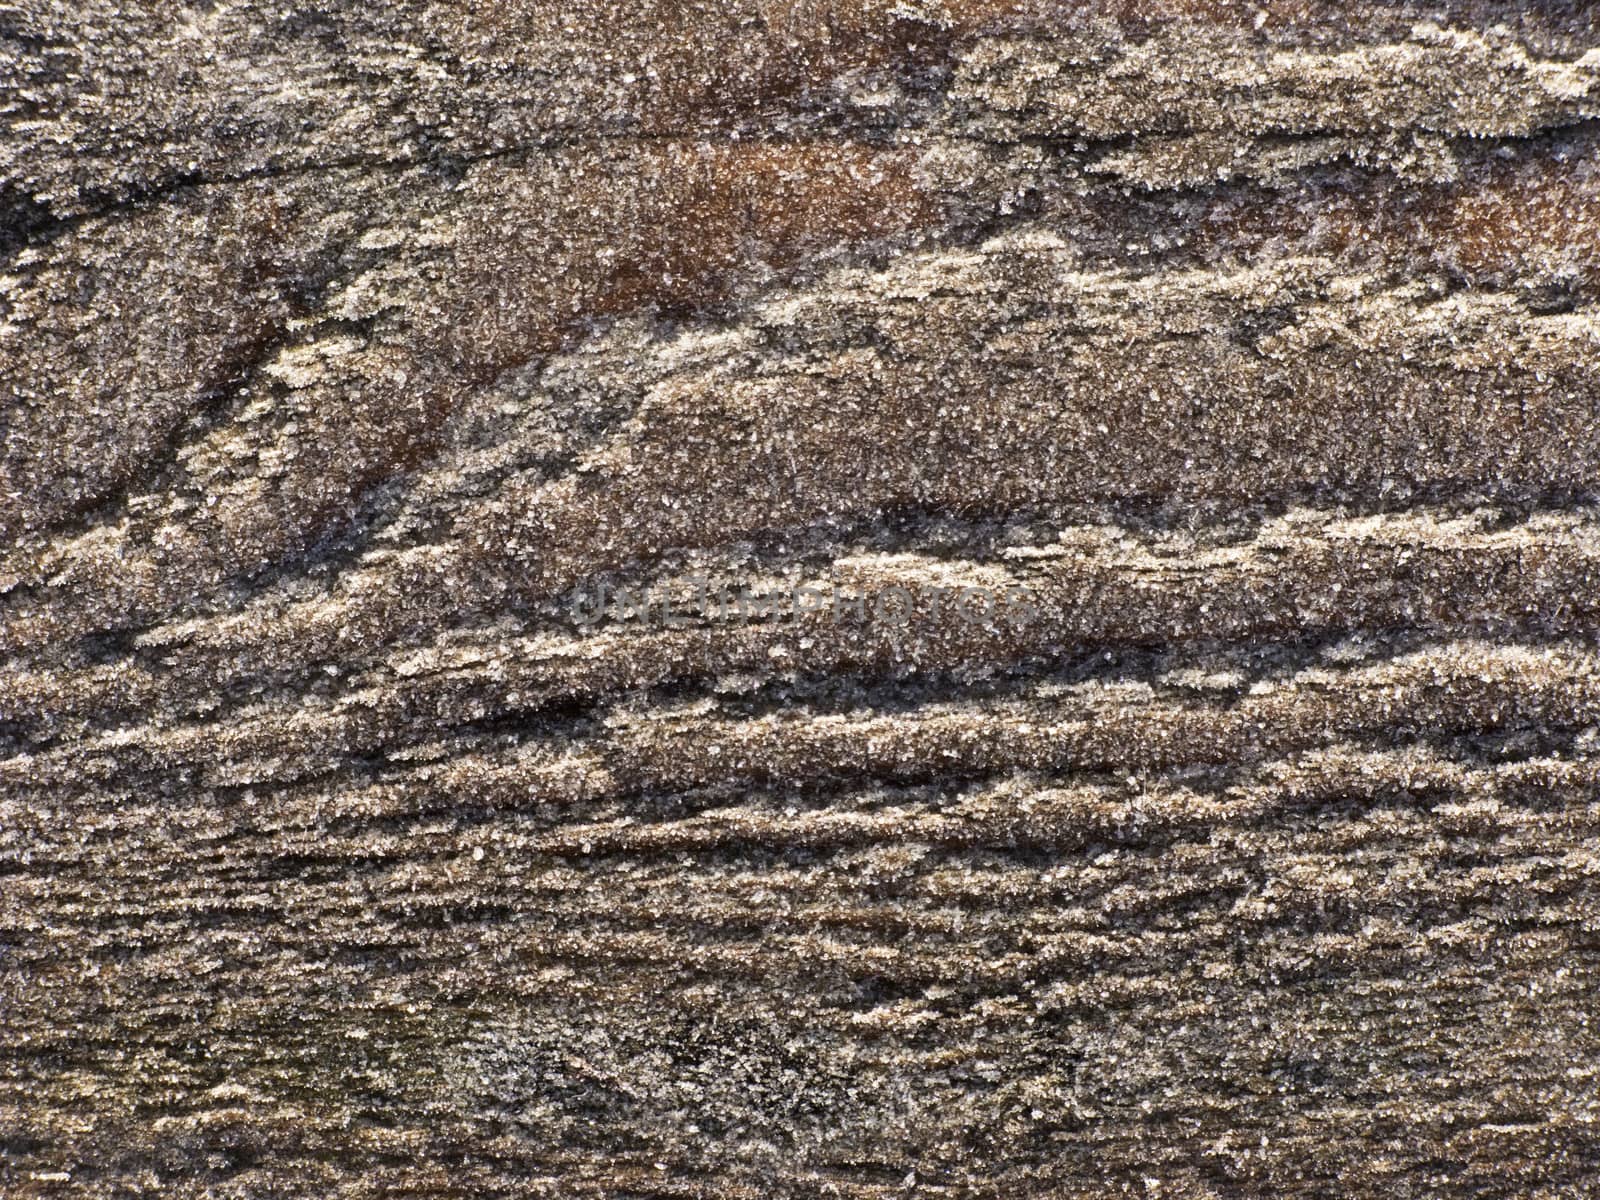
<point>1256,343</point>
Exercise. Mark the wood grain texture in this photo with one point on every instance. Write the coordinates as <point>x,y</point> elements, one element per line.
<point>341,345</point>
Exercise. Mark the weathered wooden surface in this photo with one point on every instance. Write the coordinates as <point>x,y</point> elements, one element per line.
<point>340,343</point>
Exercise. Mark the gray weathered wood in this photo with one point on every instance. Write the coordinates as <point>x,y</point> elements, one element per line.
<point>341,346</point>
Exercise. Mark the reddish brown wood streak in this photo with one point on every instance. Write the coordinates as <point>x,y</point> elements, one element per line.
<point>676,227</point>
